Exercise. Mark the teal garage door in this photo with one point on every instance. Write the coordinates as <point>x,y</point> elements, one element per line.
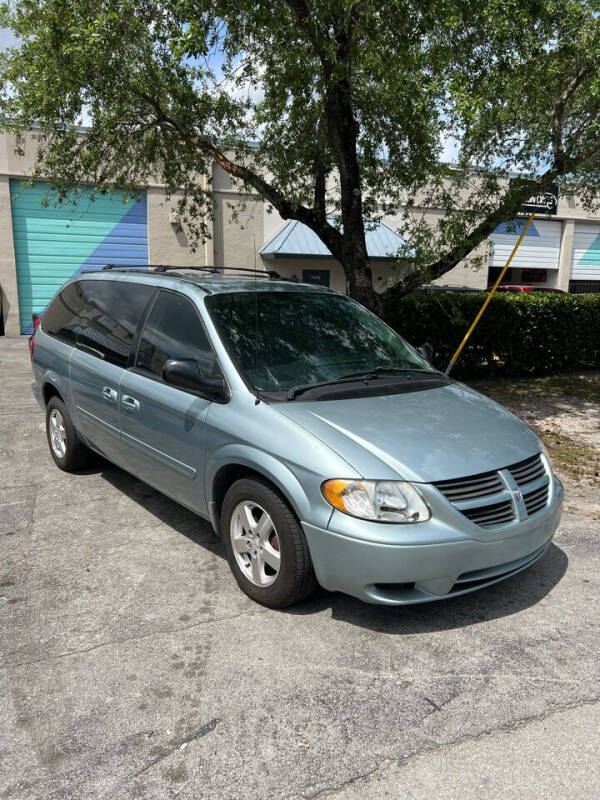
<point>53,243</point>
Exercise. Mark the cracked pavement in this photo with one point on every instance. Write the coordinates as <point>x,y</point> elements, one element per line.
<point>132,666</point>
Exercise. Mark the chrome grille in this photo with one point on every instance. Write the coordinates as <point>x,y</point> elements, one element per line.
<point>486,499</point>
<point>473,486</point>
<point>536,500</point>
<point>529,470</point>
<point>494,514</point>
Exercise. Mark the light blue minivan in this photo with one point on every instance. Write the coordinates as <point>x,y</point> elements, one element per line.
<point>321,446</point>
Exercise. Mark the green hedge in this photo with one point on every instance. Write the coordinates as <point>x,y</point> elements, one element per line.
<point>519,334</point>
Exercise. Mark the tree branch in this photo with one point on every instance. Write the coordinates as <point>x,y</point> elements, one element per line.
<point>512,201</point>
<point>320,171</point>
<point>319,191</point>
<point>314,218</point>
<point>304,18</point>
<point>558,112</point>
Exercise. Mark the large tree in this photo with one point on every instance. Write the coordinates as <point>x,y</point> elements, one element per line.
<point>336,112</point>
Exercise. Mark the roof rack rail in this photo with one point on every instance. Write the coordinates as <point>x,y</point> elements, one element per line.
<point>209,268</point>
<point>116,267</point>
<point>154,267</point>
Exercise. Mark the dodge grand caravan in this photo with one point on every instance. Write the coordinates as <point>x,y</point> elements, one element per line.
<point>321,446</point>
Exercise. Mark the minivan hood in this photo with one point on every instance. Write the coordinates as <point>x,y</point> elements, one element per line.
<point>423,436</point>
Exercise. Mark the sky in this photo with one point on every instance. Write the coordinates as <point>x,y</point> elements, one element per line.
<point>6,38</point>
<point>450,149</point>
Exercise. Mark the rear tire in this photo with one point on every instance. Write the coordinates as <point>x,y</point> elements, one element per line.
<point>66,448</point>
<point>265,545</point>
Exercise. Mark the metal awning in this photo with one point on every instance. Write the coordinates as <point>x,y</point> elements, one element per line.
<point>296,240</point>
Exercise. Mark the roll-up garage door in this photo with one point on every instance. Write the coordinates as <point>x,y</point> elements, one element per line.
<point>53,243</point>
<point>586,253</point>
<point>540,249</point>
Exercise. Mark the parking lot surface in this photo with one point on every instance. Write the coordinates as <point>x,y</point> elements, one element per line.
<point>133,667</point>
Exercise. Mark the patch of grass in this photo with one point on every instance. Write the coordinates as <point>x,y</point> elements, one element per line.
<point>570,458</point>
<point>583,386</point>
<point>577,460</point>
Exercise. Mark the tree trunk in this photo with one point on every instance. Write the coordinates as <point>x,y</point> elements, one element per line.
<point>359,277</point>
<point>343,129</point>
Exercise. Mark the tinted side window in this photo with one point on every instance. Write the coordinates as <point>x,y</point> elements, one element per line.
<point>64,316</point>
<point>173,330</point>
<point>100,316</point>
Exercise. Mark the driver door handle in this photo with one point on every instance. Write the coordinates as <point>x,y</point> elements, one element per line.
<point>129,403</point>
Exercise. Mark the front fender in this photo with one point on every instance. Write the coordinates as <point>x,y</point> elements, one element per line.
<point>271,468</point>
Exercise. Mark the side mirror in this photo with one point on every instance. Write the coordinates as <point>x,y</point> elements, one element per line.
<point>184,373</point>
<point>425,350</point>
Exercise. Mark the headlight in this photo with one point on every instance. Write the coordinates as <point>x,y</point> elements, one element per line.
<point>383,501</point>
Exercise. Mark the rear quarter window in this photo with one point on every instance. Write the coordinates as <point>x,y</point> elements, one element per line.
<point>62,318</point>
<point>100,317</point>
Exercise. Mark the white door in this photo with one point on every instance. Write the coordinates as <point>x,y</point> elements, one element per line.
<point>540,249</point>
<point>586,252</point>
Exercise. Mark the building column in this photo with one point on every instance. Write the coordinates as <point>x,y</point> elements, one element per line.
<point>8,268</point>
<point>566,255</point>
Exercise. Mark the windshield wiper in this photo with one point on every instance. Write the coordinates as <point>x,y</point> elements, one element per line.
<point>304,387</point>
<point>376,372</point>
<point>389,369</point>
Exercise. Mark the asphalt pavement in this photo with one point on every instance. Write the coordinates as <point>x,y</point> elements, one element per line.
<point>133,667</point>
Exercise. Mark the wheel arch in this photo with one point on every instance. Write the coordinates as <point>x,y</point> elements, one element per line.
<point>49,390</point>
<point>239,463</point>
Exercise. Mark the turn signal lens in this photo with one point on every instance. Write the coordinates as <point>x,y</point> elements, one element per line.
<point>383,501</point>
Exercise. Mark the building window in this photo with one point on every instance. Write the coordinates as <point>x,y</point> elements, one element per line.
<point>495,271</point>
<point>534,276</point>
<point>584,287</point>
<point>318,276</point>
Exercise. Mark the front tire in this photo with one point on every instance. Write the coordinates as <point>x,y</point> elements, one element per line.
<point>66,448</point>
<point>265,545</point>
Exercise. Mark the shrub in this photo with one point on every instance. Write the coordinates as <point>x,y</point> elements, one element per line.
<point>519,334</point>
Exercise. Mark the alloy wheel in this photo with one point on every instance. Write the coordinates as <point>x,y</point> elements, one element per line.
<point>255,543</point>
<point>58,435</point>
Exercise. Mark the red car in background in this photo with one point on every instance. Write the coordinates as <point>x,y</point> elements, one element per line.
<point>513,287</point>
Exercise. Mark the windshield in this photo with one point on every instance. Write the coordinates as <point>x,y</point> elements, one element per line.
<point>279,340</point>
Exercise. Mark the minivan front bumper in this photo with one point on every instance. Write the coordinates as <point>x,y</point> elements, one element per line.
<point>432,568</point>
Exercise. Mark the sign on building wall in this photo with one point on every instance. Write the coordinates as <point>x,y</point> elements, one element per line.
<point>543,202</point>
<point>586,252</point>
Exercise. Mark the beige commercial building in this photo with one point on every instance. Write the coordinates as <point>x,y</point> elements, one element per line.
<point>42,244</point>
